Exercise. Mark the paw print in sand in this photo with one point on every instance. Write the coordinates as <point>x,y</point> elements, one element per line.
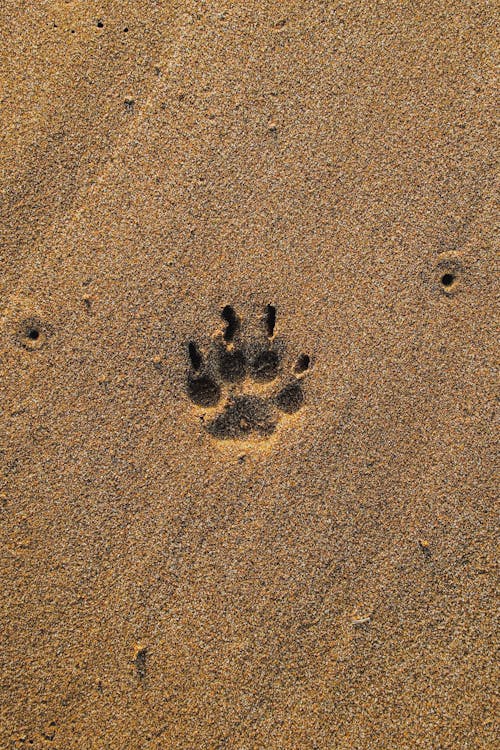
<point>241,385</point>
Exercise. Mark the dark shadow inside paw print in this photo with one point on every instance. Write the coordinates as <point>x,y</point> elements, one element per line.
<point>246,378</point>
<point>265,366</point>
<point>203,391</point>
<point>290,398</point>
<point>233,323</point>
<point>232,365</point>
<point>243,416</point>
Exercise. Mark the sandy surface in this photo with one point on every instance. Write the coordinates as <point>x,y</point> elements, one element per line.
<point>248,294</point>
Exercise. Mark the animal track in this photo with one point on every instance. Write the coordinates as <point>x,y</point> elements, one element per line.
<point>244,379</point>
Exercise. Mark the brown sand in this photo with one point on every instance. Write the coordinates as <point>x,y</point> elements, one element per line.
<point>297,569</point>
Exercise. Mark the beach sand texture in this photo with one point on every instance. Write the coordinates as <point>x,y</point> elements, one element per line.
<point>248,346</point>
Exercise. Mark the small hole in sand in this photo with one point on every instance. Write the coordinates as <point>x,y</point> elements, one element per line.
<point>302,364</point>
<point>100,25</point>
<point>447,279</point>
<point>228,314</point>
<point>32,333</point>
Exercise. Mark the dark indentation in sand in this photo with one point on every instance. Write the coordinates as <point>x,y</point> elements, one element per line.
<point>32,333</point>
<point>233,323</point>
<point>242,417</point>
<point>140,662</point>
<point>290,398</point>
<point>265,366</point>
<point>232,365</point>
<point>194,356</point>
<point>237,374</point>
<point>302,364</point>
<point>270,320</point>
<point>447,279</point>
<point>203,390</point>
